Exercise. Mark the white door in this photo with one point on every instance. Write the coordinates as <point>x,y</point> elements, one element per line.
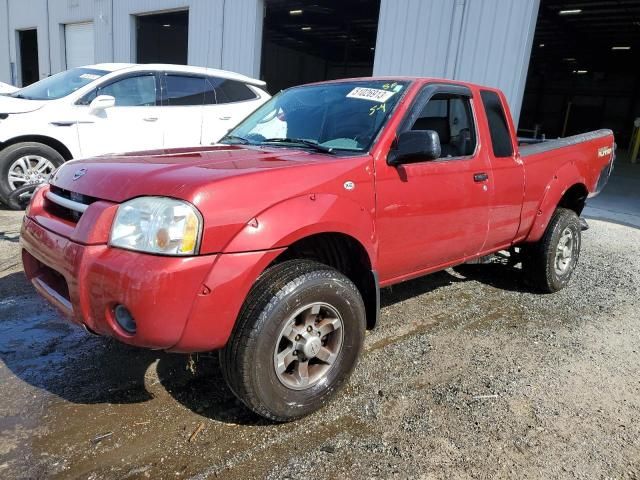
<point>234,102</point>
<point>183,97</point>
<point>79,44</point>
<point>133,124</point>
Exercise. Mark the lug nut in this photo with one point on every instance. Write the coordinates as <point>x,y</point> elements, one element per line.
<point>318,332</point>
<point>309,328</point>
<point>298,337</point>
<point>295,353</point>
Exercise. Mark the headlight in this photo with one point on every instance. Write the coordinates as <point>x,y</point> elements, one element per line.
<point>157,225</point>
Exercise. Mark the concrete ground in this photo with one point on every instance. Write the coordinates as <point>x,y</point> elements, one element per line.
<point>620,200</point>
<point>469,375</point>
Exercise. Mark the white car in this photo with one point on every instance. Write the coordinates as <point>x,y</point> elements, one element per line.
<point>113,108</point>
<point>5,88</point>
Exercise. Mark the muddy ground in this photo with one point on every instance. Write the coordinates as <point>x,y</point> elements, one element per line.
<point>470,375</point>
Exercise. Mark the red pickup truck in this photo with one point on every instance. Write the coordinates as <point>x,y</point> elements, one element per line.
<point>272,246</point>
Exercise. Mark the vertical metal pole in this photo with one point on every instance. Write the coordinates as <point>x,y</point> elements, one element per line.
<point>636,146</point>
<point>345,59</point>
<point>566,119</point>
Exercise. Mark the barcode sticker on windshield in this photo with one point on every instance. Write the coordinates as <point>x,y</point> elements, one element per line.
<point>89,76</point>
<point>372,94</point>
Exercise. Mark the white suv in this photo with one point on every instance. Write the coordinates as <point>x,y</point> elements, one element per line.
<point>6,89</point>
<point>110,108</point>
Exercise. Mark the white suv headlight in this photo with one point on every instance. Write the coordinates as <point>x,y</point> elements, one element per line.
<point>160,225</point>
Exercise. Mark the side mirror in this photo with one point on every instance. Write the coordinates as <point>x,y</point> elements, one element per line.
<point>101,102</point>
<point>415,145</point>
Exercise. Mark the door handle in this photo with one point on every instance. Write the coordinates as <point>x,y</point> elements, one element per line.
<point>150,119</point>
<point>480,177</point>
<point>224,118</point>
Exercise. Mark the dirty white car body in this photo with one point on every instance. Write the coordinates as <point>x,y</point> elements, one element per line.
<point>111,108</point>
<point>5,88</point>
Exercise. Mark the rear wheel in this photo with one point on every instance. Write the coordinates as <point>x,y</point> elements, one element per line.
<point>549,263</point>
<point>27,163</point>
<point>296,341</point>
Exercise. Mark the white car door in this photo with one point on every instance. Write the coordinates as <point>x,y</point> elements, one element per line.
<point>183,97</point>
<point>132,124</point>
<point>234,102</point>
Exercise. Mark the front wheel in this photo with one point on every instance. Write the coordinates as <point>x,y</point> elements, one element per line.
<point>26,163</point>
<point>549,263</point>
<point>296,341</point>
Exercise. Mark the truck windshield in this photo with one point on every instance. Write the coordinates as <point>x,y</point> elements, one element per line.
<point>59,85</point>
<point>341,116</point>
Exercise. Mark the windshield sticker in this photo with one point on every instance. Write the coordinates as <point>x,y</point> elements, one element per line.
<point>376,108</point>
<point>394,87</point>
<point>371,94</point>
<point>89,76</point>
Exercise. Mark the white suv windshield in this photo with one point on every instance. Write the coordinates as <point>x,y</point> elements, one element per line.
<point>59,85</point>
<point>327,117</point>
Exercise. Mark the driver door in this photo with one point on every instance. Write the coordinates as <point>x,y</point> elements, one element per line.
<point>434,212</point>
<point>133,124</point>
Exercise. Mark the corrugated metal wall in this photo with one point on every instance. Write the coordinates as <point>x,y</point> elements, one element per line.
<point>62,12</point>
<point>222,33</point>
<point>27,15</point>
<point>5,66</point>
<point>242,42</point>
<point>482,41</point>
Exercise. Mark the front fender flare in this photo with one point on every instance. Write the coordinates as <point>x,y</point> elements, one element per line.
<point>299,217</point>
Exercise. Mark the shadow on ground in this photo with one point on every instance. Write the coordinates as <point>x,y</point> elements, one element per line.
<point>51,354</point>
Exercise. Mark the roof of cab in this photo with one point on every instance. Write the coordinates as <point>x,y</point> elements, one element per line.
<point>405,78</point>
<point>113,67</point>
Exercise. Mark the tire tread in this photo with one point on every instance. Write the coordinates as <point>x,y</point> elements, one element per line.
<point>265,293</point>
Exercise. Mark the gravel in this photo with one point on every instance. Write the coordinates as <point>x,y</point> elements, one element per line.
<point>469,375</point>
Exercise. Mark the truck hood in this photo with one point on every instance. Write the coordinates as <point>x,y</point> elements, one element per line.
<point>179,173</point>
<point>230,185</point>
<point>19,105</point>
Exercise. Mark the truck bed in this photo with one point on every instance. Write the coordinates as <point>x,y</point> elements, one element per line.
<point>548,145</point>
<point>551,167</point>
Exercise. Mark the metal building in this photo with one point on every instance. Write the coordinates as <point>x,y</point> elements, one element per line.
<point>487,41</point>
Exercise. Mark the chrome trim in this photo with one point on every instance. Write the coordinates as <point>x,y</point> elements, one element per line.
<point>65,202</point>
<point>61,302</point>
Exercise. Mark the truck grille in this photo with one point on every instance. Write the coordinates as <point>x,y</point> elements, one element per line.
<point>66,204</point>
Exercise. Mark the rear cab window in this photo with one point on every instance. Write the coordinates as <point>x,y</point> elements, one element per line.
<point>498,127</point>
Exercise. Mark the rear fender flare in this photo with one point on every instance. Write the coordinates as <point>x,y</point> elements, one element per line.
<point>565,178</point>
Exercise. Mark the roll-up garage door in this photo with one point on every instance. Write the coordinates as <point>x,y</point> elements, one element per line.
<point>79,44</point>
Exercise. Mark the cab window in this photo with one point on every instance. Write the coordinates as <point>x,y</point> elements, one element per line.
<point>133,91</point>
<point>183,90</point>
<point>451,117</point>
<point>230,91</point>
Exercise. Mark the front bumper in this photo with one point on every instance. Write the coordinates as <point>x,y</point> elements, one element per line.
<point>86,282</point>
<point>180,304</point>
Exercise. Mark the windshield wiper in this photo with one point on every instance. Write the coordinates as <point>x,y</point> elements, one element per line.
<point>301,141</point>
<point>237,138</point>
